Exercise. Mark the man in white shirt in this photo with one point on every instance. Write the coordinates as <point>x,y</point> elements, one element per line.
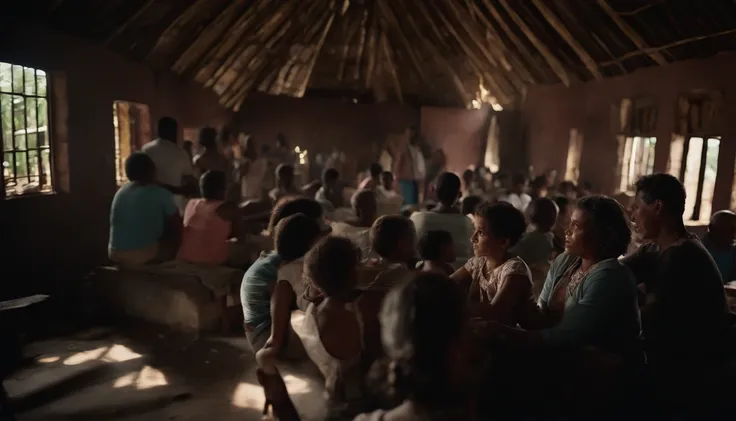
<point>174,169</point>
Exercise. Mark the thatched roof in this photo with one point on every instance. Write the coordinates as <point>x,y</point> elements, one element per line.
<point>425,51</point>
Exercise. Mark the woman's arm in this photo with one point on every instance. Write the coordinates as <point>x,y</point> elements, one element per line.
<point>514,290</point>
<point>463,277</point>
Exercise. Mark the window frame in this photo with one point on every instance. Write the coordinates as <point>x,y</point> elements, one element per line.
<point>50,138</point>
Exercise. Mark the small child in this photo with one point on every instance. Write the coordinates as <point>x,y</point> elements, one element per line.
<point>437,252</point>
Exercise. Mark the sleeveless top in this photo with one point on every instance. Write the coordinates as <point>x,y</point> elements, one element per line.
<point>343,378</point>
<point>205,233</point>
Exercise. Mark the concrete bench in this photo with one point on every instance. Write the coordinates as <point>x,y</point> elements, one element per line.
<point>180,297</point>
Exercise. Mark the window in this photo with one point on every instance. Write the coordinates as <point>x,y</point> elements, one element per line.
<point>574,151</point>
<point>132,123</point>
<point>637,160</point>
<point>700,163</point>
<point>27,156</point>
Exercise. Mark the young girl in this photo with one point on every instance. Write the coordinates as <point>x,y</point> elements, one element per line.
<point>437,252</point>
<point>499,283</point>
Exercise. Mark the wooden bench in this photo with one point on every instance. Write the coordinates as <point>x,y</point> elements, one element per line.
<point>178,299</point>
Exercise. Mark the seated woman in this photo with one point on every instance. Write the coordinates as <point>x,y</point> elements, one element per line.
<point>209,222</point>
<point>499,283</point>
<point>358,229</point>
<point>446,216</point>
<point>429,373</point>
<point>293,237</point>
<point>437,252</point>
<point>145,225</point>
<point>589,307</point>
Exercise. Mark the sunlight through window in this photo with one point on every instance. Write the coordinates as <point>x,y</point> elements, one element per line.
<point>115,354</point>
<point>147,378</point>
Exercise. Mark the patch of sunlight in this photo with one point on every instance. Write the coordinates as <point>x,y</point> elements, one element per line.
<point>114,354</point>
<point>296,385</point>
<point>248,395</point>
<point>147,378</point>
<point>48,360</point>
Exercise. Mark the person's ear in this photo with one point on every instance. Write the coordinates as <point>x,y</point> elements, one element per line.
<point>658,207</point>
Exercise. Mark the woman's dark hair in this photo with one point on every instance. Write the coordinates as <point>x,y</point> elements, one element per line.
<point>330,263</point>
<point>469,204</point>
<point>665,188</point>
<point>607,221</point>
<point>448,188</point>
<point>566,186</point>
<point>139,167</point>
<point>291,206</point>
<point>295,235</point>
<point>504,220</point>
<point>386,232</point>
<point>212,184</point>
<point>417,337</point>
<point>432,243</point>
<point>208,137</point>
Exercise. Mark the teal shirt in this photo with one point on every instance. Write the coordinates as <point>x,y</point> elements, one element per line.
<point>602,313</point>
<point>255,294</point>
<point>138,216</point>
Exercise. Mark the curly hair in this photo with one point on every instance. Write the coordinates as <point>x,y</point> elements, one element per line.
<point>332,265</point>
<point>295,235</point>
<point>291,206</point>
<point>607,220</point>
<point>417,337</point>
<point>386,232</point>
<point>504,220</point>
<point>469,204</point>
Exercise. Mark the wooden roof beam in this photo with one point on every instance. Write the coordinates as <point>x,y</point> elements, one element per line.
<point>317,52</point>
<point>553,62</point>
<point>386,50</point>
<point>119,30</point>
<point>629,31</point>
<point>463,95</point>
<point>393,21</point>
<point>556,23</point>
<point>520,47</point>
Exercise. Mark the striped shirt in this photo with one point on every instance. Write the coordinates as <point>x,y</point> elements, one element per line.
<point>254,291</point>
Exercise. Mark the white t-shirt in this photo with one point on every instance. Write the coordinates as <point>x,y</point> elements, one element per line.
<point>520,202</point>
<point>458,225</point>
<point>172,163</point>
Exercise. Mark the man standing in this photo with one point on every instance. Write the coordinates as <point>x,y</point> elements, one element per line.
<point>174,169</point>
<point>409,165</point>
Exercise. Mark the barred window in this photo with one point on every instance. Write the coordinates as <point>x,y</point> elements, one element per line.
<point>25,131</point>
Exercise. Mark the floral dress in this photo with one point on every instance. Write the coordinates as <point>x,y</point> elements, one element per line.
<point>487,281</point>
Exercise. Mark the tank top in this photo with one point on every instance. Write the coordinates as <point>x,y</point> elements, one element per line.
<point>343,378</point>
<point>205,234</point>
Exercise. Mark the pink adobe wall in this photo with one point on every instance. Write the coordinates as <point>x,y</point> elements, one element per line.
<point>360,129</point>
<point>550,112</point>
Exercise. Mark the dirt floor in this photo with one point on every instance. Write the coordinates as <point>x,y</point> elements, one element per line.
<point>144,374</point>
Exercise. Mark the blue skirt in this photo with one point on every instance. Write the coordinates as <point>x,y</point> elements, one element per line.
<point>409,191</point>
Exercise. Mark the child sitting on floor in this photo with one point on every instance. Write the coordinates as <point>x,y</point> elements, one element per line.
<point>437,252</point>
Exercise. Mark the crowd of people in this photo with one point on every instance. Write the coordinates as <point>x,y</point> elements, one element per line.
<point>497,297</point>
